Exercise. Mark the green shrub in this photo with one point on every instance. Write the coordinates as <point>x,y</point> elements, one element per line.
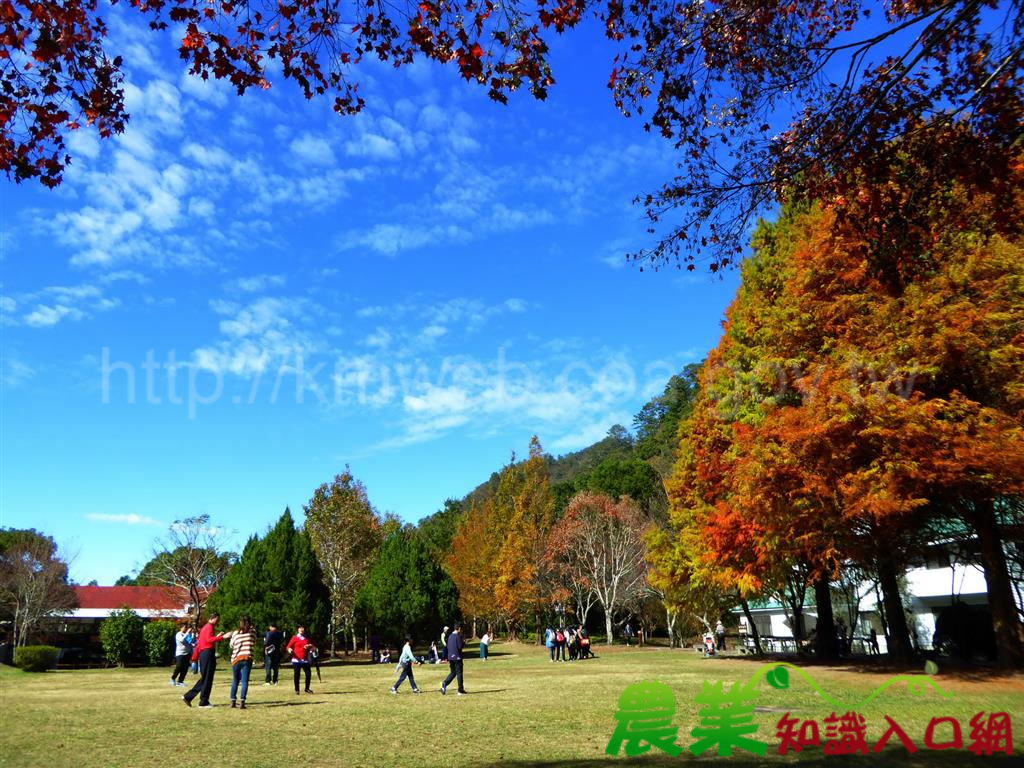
<point>121,636</point>
<point>159,638</point>
<point>35,658</point>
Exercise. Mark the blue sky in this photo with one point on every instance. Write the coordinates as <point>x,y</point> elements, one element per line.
<point>226,304</point>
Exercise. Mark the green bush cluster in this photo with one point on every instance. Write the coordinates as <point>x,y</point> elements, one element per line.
<point>159,639</point>
<point>121,635</point>
<point>35,658</point>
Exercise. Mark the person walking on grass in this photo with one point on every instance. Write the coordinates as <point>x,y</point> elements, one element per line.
<point>272,642</point>
<point>207,658</point>
<point>404,666</point>
<point>485,643</point>
<point>182,655</point>
<point>455,645</point>
<point>301,650</point>
<point>242,644</point>
<point>549,642</point>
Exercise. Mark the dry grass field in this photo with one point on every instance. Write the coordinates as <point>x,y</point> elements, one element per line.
<point>522,711</point>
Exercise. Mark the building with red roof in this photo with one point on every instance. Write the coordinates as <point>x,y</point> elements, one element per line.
<point>149,602</point>
<point>77,630</point>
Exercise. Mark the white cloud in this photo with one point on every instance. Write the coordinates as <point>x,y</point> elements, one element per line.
<point>84,143</point>
<point>389,239</point>
<point>56,303</point>
<point>256,283</point>
<point>15,372</point>
<point>379,339</point>
<point>313,150</point>
<point>129,519</point>
<point>207,156</point>
<point>374,147</point>
<point>201,208</point>
<point>211,91</point>
<point>44,316</point>
<point>266,332</point>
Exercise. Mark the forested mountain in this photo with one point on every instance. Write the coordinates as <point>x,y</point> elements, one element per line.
<point>622,463</point>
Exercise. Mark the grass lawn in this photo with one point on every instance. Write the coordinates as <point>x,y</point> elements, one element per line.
<point>522,711</point>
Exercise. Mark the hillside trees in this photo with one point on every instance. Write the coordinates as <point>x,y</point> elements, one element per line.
<point>498,550</point>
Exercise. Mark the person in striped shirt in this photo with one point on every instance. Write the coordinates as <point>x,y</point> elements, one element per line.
<point>242,644</point>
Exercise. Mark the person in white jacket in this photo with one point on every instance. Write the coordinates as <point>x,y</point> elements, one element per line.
<point>404,666</point>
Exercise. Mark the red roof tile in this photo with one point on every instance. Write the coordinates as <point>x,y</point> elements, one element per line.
<point>141,598</point>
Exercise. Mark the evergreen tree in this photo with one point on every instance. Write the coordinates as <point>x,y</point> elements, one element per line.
<point>407,591</point>
<point>276,580</point>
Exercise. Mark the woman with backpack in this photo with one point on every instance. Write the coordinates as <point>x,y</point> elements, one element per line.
<point>549,641</point>
<point>584,643</point>
<point>560,644</point>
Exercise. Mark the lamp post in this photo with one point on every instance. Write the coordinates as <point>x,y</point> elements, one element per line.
<point>560,613</point>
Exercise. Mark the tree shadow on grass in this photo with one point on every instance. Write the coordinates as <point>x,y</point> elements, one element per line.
<point>882,665</point>
<point>283,704</point>
<point>923,758</point>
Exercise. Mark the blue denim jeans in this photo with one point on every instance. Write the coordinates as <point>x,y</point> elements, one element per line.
<point>240,673</point>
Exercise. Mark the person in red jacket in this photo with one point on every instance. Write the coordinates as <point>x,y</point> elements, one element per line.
<point>302,650</point>
<point>207,658</point>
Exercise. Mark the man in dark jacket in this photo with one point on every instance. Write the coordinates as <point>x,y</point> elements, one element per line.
<point>454,645</point>
<point>272,642</point>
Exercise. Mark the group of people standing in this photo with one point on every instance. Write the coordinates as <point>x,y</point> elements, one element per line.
<point>567,643</point>
<point>200,649</point>
<point>242,644</point>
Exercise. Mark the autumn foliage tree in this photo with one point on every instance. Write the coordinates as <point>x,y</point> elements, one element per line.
<point>472,562</point>
<point>867,387</point>
<point>600,542</point>
<point>499,546</point>
<point>346,533</point>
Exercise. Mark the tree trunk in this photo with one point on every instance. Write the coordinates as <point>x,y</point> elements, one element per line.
<point>881,615</point>
<point>670,622</point>
<point>900,648</point>
<point>752,626</point>
<point>608,627</point>
<point>1005,619</point>
<point>825,639</point>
